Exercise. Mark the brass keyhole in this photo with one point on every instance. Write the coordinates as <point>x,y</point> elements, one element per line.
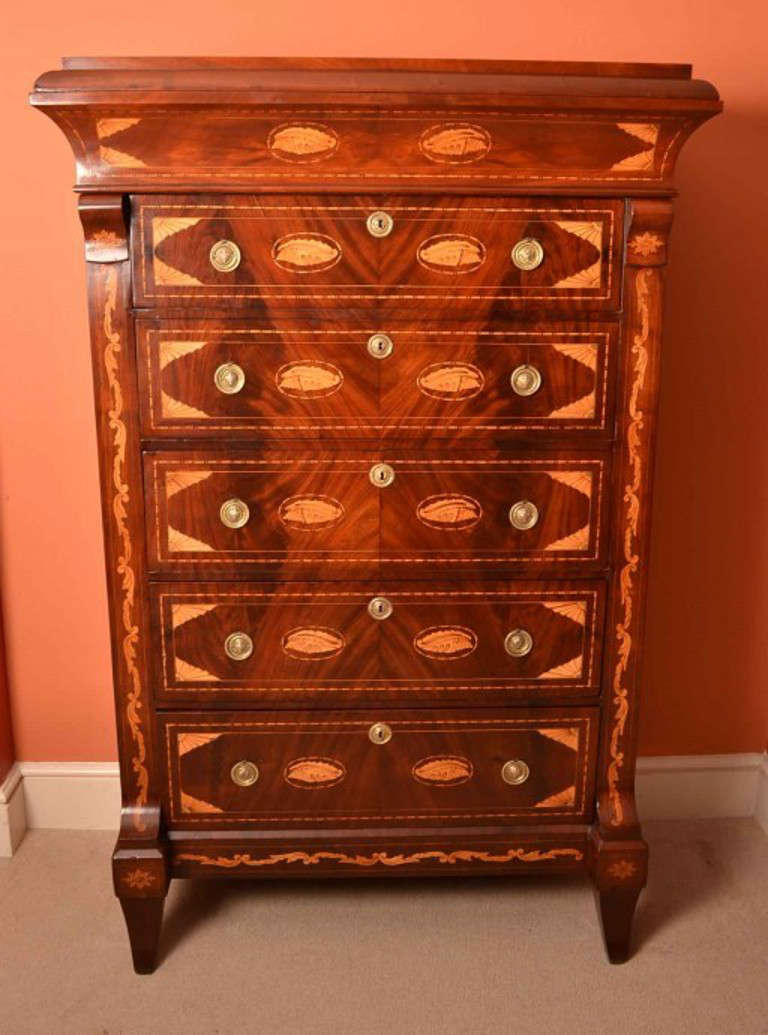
<point>380,608</point>
<point>380,733</point>
<point>380,346</point>
<point>381,475</point>
<point>379,224</point>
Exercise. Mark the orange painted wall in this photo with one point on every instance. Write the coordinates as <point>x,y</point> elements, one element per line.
<point>707,662</point>
<point>7,755</point>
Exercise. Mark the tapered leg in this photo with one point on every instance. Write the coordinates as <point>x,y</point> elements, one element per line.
<point>141,876</point>
<point>617,908</point>
<point>143,918</point>
<point>619,871</point>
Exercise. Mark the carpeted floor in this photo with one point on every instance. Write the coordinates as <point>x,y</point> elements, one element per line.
<point>402,958</point>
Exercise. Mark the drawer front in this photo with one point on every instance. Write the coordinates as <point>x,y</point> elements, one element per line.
<point>204,378</point>
<point>304,641</point>
<point>346,768</point>
<point>319,252</point>
<point>297,511</point>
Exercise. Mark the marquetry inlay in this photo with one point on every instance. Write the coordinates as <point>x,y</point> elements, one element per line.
<point>451,253</point>
<point>309,379</point>
<point>443,770</point>
<point>451,381</point>
<point>310,513</point>
<point>569,736</point>
<point>313,643</point>
<point>302,142</point>
<point>455,143</point>
<point>314,773</point>
<point>306,253</point>
<point>450,511</point>
<point>445,642</point>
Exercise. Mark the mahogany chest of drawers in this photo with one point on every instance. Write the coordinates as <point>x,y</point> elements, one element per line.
<point>376,353</point>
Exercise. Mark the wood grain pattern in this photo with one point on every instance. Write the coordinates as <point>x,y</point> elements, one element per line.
<point>379,781</point>
<point>309,512</point>
<point>262,392</point>
<point>317,251</point>
<point>439,382</point>
<point>315,641</point>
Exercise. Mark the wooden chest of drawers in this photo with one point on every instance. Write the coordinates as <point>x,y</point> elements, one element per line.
<point>376,352</point>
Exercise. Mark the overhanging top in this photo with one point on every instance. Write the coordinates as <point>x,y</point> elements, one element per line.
<point>158,123</point>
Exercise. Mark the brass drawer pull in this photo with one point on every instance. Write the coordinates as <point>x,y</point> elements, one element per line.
<point>380,608</point>
<point>379,224</point>
<point>225,256</point>
<point>528,254</point>
<point>515,771</point>
<point>523,515</point>
<point>238,646</point>
<point>229,378</point>
<point>244,774</point>
<point>381,475</point>
<point>379,733</point>
<point>525,380</point>
<point>234,513</point>
<point>518,643</point>
<point>380,345</point>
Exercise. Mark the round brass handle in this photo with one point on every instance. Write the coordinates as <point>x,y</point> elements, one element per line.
<point>528,254</point>
<point>515,771</point>
<point>225,256</point>
<point>380,608</point>
<point>379,224</point>
<point>244,774</point>
<point>234,513</point>
<point>379,733</point>
<point>518,643</point>
<point>238,646</point>
<point>525,380</point>
<point>380,345</point>
<point>523,515</point>
<point>381,475</point>
<point>229,378</point>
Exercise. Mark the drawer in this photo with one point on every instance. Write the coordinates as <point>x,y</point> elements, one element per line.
<point>279,251</point>
<point>281,512</point>
<point>395,642</point>
<point>339,768</point>
<point>206,378</point>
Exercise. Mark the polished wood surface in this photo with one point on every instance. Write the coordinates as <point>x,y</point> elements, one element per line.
<point>335,651</point>
<point>327,771</point>
<point>298,251</point>
<point>321,382</point>
<point>311,512</point>
<point>318,643</point>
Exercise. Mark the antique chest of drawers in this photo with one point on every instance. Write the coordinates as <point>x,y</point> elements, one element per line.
<point>376,352</point>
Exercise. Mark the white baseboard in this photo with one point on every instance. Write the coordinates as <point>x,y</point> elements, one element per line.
<point>697,786</point>
<point>86,795</point>
<point>761,809</point>
<point>13,816</point>
<point>72,795</point>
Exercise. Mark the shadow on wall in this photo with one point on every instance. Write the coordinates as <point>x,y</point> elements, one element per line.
<point>708,597</point>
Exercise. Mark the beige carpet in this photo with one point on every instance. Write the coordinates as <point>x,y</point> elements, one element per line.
<point>465,956</point>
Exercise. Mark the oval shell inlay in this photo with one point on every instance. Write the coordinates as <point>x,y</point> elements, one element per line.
<point>310,513</point>
<point>455,143</point>
<point>302,142</point>
<point>313,643</point>
<point>451,511</point>
<point>306,253</point>
<point>453,381</point>
<point>308,379</point>
<point>312,774</point>
<point>451,253</point>
<point>445,642</point>
<point>443,770</point>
